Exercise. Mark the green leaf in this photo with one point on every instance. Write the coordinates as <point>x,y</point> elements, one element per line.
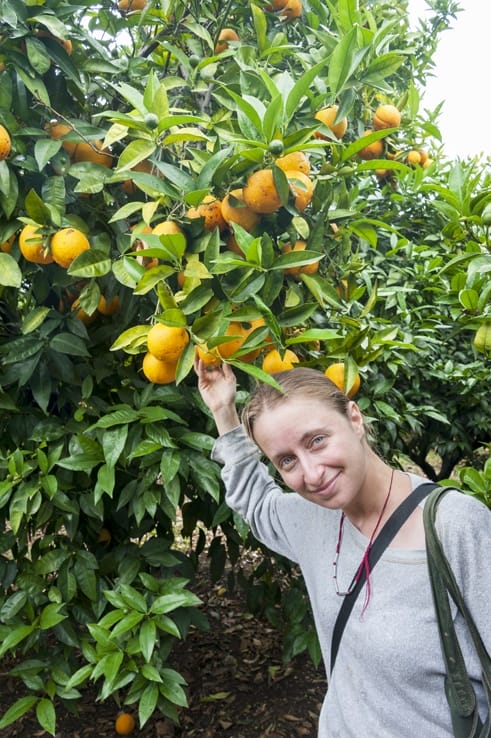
<point>147,703</point>
<point>34,319</point>
<point>36,208</point>
<point>50,616</point>
<point>301,88</point>
<point>134,153</point>
<point>39,59</point>
<point>17,710</point>
<point>10,274</point>
<point>169,602</point>
<point>12,639</point>
<point>67,343</point>
<point>90,263</point>
<point>344,61</point>
<point>147,639</point>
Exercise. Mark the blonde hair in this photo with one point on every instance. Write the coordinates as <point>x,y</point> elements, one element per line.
<point>301,381</point>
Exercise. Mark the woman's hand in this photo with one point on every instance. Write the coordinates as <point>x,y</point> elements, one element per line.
<point>217,386</point>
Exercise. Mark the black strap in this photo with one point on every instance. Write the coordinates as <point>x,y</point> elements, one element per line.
<point>388,532</point>
<point>459,690</point>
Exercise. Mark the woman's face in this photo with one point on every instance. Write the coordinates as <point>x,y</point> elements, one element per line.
<point>320,453</point>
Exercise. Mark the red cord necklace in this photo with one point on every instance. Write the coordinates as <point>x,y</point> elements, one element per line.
<point>364,563</point>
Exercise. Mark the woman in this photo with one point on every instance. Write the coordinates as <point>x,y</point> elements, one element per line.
<point>388,678</point>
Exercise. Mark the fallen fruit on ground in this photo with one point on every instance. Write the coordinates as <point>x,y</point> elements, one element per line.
<point>33,245</point>
<point>159,372</point>
<point>336,373</point>
<point>386,116</point>
<point>167,342</point>
<point>276,362</point>
<point>67,244</point>
<point>328,116</point>
<point>124,724</point>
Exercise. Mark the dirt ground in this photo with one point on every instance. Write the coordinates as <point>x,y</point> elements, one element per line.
<point>238,686</point>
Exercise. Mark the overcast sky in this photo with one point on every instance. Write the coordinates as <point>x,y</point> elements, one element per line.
<point>462,78</point>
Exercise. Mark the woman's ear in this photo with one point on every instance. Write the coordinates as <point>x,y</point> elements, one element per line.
<point>356,418</point>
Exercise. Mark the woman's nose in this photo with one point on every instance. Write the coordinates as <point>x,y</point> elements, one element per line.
<point>312,473</point>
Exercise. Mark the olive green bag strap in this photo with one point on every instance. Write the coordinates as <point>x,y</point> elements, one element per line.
<point>458,688</point>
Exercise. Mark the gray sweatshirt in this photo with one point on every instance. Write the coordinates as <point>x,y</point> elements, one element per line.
<point>388,681</point>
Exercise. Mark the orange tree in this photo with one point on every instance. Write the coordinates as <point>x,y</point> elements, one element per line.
<point>172,183</point>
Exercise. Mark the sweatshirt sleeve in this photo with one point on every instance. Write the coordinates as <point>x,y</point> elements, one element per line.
<point>252,492</point>
<point>464,526</point>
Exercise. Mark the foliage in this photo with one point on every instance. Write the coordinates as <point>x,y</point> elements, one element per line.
<point>99,470</point>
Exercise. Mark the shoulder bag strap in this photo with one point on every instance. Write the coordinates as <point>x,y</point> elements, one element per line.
<point>458,688</point>
<point>388,532</point>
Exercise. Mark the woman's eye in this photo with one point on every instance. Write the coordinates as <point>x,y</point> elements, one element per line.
<point>317,440</point>
<point>286,463</point>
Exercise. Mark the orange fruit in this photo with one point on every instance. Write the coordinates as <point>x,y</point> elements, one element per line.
<point>427,163</point>
<point>276,362</point>
<point>5,143</point>
<point>226,34</point>
<point>159,372</point>
<point>128,186</point>
<point>67,244</point>
<point>424,156</point>
<point>232,245</point>
<point>125,723</point>
<point>210,209</point>
<point>373,150</point>
<point>108,308</point>
<point>167,342</point>
<point>302,188</point>
<point>147,261</point>
<point>296,160</point>
<point>297,270</point>
<point>234,210</point>
<point>209,357</point>
<point>6,246</point>
<point>104,536</point>
<point>260,193</point>
<point>413,157</point>
<point>33,245</point>
<point>127,6</point>
<point>57,130</point>
<point>335,372</point>
<point>386,116</point>
<point>94,153</point>
<point>328,116</point>
<point>81,314</point>
<point>168,228</point>
<point>291,9</point>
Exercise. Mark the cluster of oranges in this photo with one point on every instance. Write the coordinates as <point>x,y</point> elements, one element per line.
<point>385,116</point>
<point>62,247</point>
<point>165,345</point>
